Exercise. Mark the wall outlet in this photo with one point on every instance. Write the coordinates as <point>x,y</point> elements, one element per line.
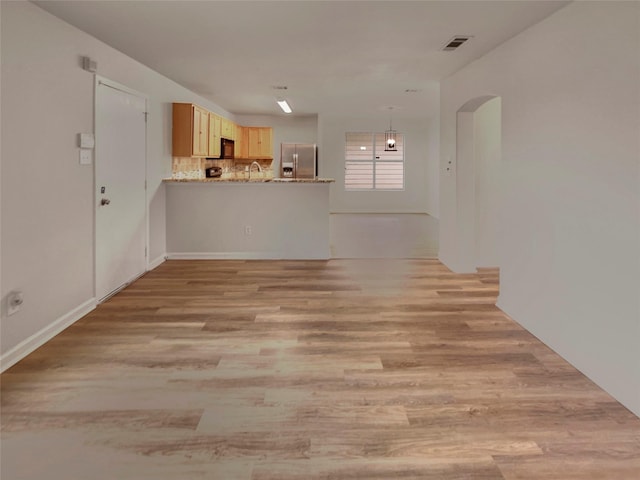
<point>247,229</point>
<point>14,302</point>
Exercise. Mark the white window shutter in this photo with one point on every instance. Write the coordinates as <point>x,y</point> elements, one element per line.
<point>369,167</point>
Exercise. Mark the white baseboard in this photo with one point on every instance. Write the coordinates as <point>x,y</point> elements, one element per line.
<point>157,262</point>
<point>38,339</point>
<point>500,305</point>
<point>223,256</point>
<point>241,256</point>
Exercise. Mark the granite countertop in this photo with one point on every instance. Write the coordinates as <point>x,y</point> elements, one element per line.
<point>245,180</point>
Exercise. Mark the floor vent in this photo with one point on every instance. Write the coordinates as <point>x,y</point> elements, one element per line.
<point>455,42</point>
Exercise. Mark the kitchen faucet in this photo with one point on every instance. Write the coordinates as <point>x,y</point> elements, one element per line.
<point>251,168</point>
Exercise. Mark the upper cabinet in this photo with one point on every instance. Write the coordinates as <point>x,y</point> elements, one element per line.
<point>190,130</point>
<point>242,142</point>
<point>197,133</point>
<point>260,142</point>
<point>214,135</point>
<point>200,132</point>
<point>227,129</point>
<point>254,142</point>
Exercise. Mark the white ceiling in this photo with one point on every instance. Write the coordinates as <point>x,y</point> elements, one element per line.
<point>336,57</point>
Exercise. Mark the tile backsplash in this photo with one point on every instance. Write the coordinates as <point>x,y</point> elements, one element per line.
<point>187,167</point>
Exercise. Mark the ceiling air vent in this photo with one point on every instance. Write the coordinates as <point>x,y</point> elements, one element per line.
<point>456,42</point>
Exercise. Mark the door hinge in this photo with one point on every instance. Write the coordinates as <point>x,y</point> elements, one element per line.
<point>145,116</point>
<point>145,252</point>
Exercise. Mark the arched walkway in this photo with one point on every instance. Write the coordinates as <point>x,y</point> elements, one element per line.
<point>478,183</point>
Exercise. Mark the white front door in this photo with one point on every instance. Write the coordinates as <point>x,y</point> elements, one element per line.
<point>120,174</point>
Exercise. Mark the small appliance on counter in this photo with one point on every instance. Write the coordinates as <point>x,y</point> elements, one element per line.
<point>298,160</point>
<point>213,172</point>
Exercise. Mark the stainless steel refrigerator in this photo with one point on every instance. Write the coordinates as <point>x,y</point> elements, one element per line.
<point>298,160</point>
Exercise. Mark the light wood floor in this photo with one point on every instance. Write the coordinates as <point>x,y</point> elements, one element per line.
<point>345,369</point>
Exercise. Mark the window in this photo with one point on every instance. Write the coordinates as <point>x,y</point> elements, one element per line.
<point>368,166</point>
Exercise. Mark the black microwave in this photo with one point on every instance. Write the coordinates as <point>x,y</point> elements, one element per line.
<point>226,148</point>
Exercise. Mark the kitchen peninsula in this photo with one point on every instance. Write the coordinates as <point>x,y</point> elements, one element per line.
<point>223,202</point>
<point>241,218</point>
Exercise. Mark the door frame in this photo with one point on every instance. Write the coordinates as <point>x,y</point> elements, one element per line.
<point>98,79</point>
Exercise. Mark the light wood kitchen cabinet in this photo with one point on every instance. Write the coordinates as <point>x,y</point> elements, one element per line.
<point>260,141</point>
<point>190,134</point>
<point>227,129</point>
<point>198,133</point>
<point>214,135</point>
<point>241,142</point>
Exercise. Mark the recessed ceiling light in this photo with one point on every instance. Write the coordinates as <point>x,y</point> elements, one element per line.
<point>284,106</point>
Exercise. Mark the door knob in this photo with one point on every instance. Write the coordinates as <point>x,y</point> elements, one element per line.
<point>105,201</point>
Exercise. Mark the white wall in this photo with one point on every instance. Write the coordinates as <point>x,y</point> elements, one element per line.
<point>487,174</point>
<point>569,245</point>
<point>47,197</point>
<point>287,220</point>
<point>421,164</point>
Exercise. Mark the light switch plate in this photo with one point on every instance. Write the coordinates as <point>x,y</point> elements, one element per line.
<point>86,140</point>
<point>85,156</point>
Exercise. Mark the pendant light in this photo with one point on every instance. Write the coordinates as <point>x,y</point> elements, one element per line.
<point>390,136</point>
